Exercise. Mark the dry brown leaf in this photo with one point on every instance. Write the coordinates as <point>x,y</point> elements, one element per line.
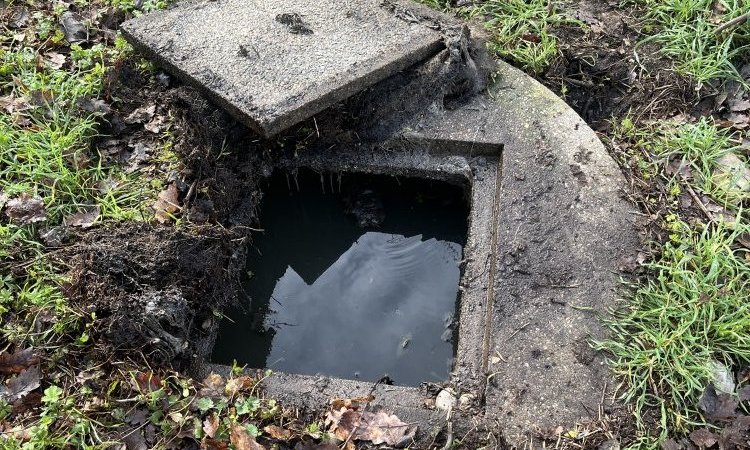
<point>241,439</point>
<point>25,209</point>
<point>211,425</point>
<point>213,386</point>
<point>341,422</point>
<point>384,428</point>
<point>354,403</point>
<point>56,60</point>
<point>213,444</point>
<point>378,427</point>
<point>18,361</point>
<point>703,438</point>
<point>141,115</point>
<point>277,432</point>
<point>84,218</point>
<point>167,203</point>
<point>13,104</point>
<point>21,385</point>
<point>239,384</point>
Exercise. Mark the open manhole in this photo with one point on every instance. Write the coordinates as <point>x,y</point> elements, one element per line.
<point>355,276</point>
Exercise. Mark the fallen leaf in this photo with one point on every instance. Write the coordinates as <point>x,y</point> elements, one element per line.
<point>213,444</point>
<point>13,104</point>
<point>19,18</point>
<point>25,209</point>
<point>239,384</point>
<point>18,361</point>
<point>213,386</point>
<point>167,204</point>
<point>211,425</point>
<point>137,156</point>
<point>384,428</point>
<point>743,393</point>
<point>241,439</point>
<point>147,382</point>
<point>703,438</point>
<point>277,432</point>
<point>84,218</point>
<point>155,125</point>
<point>141,115</point>
<point>21,385</point>
<point>377,427</point>
<point>717,406</point>
<point>55,60</point>
<point>54,237</point>
<point>354,403</point>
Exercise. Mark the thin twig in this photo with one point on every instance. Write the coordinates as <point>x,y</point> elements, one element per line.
<point>518,330</point>
<point>737,21</point>
<point>700,203</point>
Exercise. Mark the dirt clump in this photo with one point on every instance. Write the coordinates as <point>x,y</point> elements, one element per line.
<point>605,70</point>
<point>155,290</point>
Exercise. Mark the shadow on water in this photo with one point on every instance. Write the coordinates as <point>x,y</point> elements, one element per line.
<point>355,276</point>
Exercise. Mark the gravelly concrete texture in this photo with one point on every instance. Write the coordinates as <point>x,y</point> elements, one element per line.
<point>274,63</point>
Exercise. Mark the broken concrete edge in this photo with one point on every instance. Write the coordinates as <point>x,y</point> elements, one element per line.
<point>268,121</point>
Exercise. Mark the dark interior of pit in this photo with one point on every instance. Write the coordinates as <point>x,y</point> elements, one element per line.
<point>354,276</point>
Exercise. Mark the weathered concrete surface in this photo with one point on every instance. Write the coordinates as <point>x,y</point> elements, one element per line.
<point>275,63</point>
<point>565,228</point>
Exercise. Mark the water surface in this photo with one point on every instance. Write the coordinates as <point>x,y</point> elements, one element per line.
<point>332,298</point>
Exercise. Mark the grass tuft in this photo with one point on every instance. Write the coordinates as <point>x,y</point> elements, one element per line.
<point>686,30</point>
<point>520,30</point>
<point>693,311</point>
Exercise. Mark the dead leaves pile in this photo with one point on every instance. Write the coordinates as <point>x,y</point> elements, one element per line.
<point>349,421</point>
<point>23,376</point>
<point>731,425</point>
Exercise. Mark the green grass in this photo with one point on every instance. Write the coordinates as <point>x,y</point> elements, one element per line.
<point>693,310</point>
<point>521,30</point>
<point>685,30</point>
<point>693,151</point>
<point>46,150</point>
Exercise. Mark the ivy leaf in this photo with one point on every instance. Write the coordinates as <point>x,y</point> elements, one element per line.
<point>204,404</point>
<point>247,406</point>
<point>52,395</point>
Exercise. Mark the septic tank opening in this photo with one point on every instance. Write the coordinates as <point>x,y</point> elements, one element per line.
<point>354,276</point>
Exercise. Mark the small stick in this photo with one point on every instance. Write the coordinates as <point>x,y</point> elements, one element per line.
<point>737,21</point>
<point>518,330</point>
<point>700,203</point>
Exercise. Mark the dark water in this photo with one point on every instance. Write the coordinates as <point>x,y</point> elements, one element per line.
<point>332,298</point>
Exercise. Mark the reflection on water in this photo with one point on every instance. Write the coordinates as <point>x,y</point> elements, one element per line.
<point>332,298</point>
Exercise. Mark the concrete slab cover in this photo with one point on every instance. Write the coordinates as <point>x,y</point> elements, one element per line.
<point>274,63</point>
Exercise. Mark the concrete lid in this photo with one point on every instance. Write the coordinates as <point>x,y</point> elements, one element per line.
<point>275,63</point>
